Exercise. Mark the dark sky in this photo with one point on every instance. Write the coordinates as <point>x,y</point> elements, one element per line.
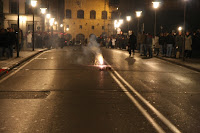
<point>167,17</point>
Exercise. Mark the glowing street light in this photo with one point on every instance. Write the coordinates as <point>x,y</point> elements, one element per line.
<point>56,23</point>
<point>67,29</point>
<point>180,28</point>
<point>48,16</point>
<point>138,15</point>
<point>33,4</point>
<point>128,18</point>
<point>61,25</point>
<point>155,6</point>
<point>52,21</point>
<point>43,10</point>
<point>121,21</point>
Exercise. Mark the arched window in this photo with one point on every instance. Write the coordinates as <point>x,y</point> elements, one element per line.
<point>80,38</point>
<point>104,15</point>
<point>80,14</point>
<point>93,14</point>
<point>68,13</point>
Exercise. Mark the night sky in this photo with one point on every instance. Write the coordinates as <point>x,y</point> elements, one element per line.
<point>168,18</point>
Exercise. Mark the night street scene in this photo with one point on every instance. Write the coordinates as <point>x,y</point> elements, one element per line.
<point>99,66</point>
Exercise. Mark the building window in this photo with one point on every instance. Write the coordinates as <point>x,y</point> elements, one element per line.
<point>93,14</point>
<point>104,15</point>
<point>28,9</point>
<point>67,26</point>
<point>93,27</point>
<point>68,13</point>
<point>80,27</point>
<point>103,27</point>
<point>13,7</point>
<point>80,14</point>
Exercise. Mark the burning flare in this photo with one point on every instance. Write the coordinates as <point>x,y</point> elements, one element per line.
<point>99,60</point>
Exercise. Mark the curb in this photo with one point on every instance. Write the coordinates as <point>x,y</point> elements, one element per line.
<point>180,64</point>
<point>3,72</point>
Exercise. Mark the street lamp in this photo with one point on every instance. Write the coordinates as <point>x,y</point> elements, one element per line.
<point>155,6</point>
<point>33,4</point>
<point>138,15</point>
<point>180,29</point>
<point>128,18</point>
<point>51,24</point>
<point>184,29</point>
<point>48,16</point>
<point>43,11</point>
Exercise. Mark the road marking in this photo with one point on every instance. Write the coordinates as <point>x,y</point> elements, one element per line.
<point>17,70</point>
<point>172,127</point>
<point>142,110</point>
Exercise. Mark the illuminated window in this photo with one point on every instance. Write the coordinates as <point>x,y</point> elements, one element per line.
<point>92,14</point>
<point>80,14</point>
<point>104,15</point>
<point>68,13</point>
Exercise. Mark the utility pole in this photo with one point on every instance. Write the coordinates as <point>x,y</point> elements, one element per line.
<point>18,28</point>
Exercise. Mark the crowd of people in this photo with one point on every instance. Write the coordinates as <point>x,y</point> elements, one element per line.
<point>169,45</point>
<point>10,39</point>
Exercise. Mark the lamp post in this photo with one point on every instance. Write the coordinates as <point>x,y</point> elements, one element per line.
<point>18,28</point>
<point>128,18</point>
<point>184,30</point>
<point>33,4</point>
<point>51,24</point>
<point>43,11</point>
<point>138,15</point>
<point>48,16</point>
<point>155,6</point>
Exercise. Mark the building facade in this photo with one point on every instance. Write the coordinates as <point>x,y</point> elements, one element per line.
<point>86,17</point>
<point>10,11</point>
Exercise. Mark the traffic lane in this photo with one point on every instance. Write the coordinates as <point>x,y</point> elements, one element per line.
<point>174,91</point>
<point>44,70</point>
<point>120,61</point>
<point>85,100</point>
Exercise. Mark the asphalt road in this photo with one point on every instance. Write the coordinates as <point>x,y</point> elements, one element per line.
<point>61,91</point>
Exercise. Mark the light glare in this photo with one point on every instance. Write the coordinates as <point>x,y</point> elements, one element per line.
<point>138,13</point>
<point>33,3</point>
<point>156,4</point>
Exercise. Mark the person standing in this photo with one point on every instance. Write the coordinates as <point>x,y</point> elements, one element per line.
<point>132,43</point>
<point>188,45</point>
<point>29,40</point>
<point>178,45</point>
<point>149,45</point>
<point>170,43</point>
<point>156,44</point>
<point>162,43</point>
<point>143,47</point>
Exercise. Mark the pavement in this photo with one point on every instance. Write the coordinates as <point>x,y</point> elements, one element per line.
<point>8,64</point>
<point>193,63</point>
<point>61,90</point>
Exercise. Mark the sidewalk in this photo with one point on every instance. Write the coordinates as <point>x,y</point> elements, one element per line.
<point>8,64</point>
<point>193,64</point>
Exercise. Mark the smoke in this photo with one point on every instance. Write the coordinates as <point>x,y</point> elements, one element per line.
<point>86,55</point>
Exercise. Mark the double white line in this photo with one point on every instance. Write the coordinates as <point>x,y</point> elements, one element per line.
<point>120,81</point>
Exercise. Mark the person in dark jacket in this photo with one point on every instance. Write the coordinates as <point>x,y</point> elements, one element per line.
<point>149,45</point>
<point>170,43</point>
<point>132,43</point>
<point>162,42</point>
